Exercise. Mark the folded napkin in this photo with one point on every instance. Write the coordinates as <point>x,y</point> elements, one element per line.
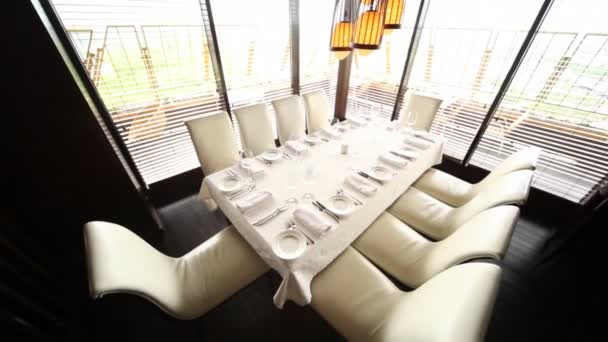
<point>393,160</point>
<point>360,184</point>
<point>356,121</point>
<point>407,153</point>
<point>418,143</point>
<point>331,132</point>
<point>296,146</point>
<point>310,223</point>
<point>254,167</point>
<point>253,200</point>
<point>424,135</point>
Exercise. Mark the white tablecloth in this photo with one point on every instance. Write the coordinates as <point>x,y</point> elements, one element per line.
<point>285,179</point>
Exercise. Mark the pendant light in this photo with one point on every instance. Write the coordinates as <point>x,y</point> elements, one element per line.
<point>394,13</point>
<point>341,43</point>
<point>369,27</point>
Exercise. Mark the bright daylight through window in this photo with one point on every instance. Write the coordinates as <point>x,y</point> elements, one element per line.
<point>151,64</point>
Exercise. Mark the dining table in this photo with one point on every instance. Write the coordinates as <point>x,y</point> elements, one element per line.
<point>334,183</point>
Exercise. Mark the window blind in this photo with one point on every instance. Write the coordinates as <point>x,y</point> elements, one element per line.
<point>465,51</point>
<point>150,63</point>
<point>374,79</point>
<point>318,66</point>
<point>558,102</point>
<point>255,48</point>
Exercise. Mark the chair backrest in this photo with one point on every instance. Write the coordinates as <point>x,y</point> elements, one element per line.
<point>512,188</point>
<point>425,106</point>
<point>255,127</point>
<point>290,117</point>
<point>524,159</point>
<point>213,141</point>
<point>317,113</point>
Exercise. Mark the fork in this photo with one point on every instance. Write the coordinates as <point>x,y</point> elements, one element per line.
<point>292,225</point>
<point>353,198</point>
<point>263,160</point>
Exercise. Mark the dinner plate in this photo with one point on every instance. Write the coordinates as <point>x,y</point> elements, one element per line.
<point>381,173</point>
<point>271,155</point>
<point>340,204</point>
<point>312,139</point>
<point>229,183</point>
<point>289,244</point>
<point>247,163</point>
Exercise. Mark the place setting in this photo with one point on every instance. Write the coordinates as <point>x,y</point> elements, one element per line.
<point>303,228</point>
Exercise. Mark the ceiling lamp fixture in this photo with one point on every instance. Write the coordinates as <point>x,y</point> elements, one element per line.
<point>394,13</point>
<point>369,28</point>
<point>341,43</point>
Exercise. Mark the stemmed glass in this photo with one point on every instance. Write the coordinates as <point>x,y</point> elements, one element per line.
<point>247,164</point>
<point>310,174</point>
<point>410,121</point>
<point>292,181</point>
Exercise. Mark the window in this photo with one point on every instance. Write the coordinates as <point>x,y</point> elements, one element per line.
<point>375,78</point>
<point>150,64</point>
<point>255,47</point>
<point>318,66</point>
<point>465,51</point>
<point>558,101</point>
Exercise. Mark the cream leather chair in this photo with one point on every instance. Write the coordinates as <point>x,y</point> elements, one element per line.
<point>256,128</point>
<point>120,262</point>
<point>290,118</point>
<point>457,192</point>
<point>438,220</point>
<point>317,114</point>
<point>413,259</point>
<point>215,146</point>
<point>364,305</point>
<point>425,106</point>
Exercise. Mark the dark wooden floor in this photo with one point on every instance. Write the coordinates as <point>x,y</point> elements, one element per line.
<point>518,314</point>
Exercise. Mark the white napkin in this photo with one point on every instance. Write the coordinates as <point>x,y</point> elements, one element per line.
<point>330,132</point>
<point>360,184</point>
<point>427,136</point>
<point>418,143</point>
<point>256,168</point>
<point>310,223</point>
<point>253,200</point>
<point>296,146</point>
<point>408,153</point>
<point>356,121</point>
<point>393,160</point>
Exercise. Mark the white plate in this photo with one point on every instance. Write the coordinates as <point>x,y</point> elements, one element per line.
<point>271,155</point>
<point>381,173</point>
<point>312,139</point>
<point>247,163</point>
<point>289,244</point>
<point>229,183</point>
<point>340,204</point>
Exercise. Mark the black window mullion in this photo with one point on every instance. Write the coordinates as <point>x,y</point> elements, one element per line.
<point>521,54</point>
<point>294,30</point>
<point>214,51</point>
<point>411,54</point>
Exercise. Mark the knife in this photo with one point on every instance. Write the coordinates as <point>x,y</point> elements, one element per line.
<point>370,177</point>
<point>322,208</point>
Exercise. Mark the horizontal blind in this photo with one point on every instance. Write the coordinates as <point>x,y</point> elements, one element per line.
<point>255,48</point>
<point>374,79</point>
<point>150,63</point>
<point>465,63</point>
<point>318,66</point>
<point>558,102</point>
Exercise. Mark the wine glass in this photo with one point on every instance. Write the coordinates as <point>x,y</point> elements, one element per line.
<point>410,121</point>
<point>310,175</point>
<point>247,164</point>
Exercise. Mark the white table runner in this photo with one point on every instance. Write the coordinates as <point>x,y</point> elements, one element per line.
<point>365,145</point>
